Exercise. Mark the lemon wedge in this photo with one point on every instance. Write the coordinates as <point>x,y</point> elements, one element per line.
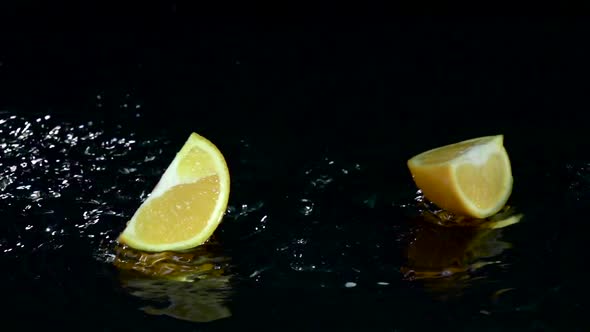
<point>471,178</point>
<point>188,203</point>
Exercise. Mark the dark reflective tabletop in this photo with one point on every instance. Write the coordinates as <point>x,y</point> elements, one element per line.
<point>325,229</point>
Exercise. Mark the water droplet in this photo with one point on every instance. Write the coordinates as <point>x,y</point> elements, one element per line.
<point>300,241</point>
<point>127,170</point>
<point>322,181</point>
<point>5,182</point>
<point>35,195</point>
<point>306,207</point>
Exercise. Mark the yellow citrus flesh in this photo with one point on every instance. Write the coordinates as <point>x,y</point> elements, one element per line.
<point>472,178</point>
<point>187,204</point>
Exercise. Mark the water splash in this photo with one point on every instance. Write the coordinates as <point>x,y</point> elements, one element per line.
<point>72,185</point>
<point>63,179</point>
<point>185,266</point>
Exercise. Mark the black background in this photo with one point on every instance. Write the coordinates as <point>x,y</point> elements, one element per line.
<point>381,78</point>
<point>387,87</point>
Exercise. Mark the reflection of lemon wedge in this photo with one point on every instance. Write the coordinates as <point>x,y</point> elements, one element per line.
<point>193,285</point>
<point>472,178</point>
<point>187,204</point>
<point>200,301</point>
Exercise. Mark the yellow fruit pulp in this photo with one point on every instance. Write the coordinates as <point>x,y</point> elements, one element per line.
<point>179,213</point>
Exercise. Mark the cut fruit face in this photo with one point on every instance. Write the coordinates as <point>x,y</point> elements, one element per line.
<point>472,178</point>
<point>187,204</point>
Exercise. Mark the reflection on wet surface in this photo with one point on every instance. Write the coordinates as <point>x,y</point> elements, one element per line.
<point>70,186</point>
<point>192,285</point>
<point>446,251</point>
<point>447,259</point>
<point>199,301</point>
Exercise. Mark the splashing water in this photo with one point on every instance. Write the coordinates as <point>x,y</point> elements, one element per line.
<point>73,179</point>
<point>70,186</point>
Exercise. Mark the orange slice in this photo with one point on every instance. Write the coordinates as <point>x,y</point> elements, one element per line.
<point>471,178</point>
<point>187,204</point>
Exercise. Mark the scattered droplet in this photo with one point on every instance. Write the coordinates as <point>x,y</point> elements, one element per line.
<point>50,167</point>
<point>306,207</point>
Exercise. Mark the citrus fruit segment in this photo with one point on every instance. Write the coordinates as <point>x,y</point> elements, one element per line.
<point>186,206</point>
<point>471,178</point>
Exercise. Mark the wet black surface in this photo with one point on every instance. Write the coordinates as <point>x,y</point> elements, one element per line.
<point>316,122</point>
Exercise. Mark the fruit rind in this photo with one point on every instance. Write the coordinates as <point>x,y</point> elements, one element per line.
<point>436,175</point>
<point>169,179</point>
